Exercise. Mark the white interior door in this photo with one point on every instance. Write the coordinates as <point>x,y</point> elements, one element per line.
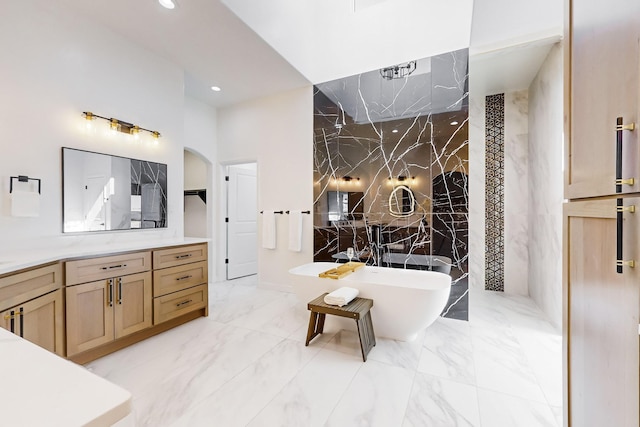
<point>242,236</point>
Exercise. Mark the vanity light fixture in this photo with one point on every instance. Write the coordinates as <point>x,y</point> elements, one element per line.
<point>167,4</point>
<point>348,178</point>
<point>117,125</point>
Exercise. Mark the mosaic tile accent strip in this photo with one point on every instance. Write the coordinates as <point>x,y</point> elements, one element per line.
<point>494,193</point>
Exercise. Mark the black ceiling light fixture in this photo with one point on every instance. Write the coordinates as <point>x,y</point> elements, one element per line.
<point>399,71</point>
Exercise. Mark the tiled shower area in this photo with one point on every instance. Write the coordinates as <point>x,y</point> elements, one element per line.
<point>391,171</point>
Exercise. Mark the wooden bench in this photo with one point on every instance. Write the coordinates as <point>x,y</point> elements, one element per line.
<point>359,309</point>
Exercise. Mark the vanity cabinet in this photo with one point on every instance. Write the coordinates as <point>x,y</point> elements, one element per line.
<point>104,310</point>
<point>32,306</point>
<point>180,280</point>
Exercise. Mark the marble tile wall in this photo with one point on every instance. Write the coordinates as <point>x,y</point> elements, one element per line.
<point>515,176</point>
<point>391,168</point>
<point>516,181</point>
<point>546,187</point>
<point>477,191</point>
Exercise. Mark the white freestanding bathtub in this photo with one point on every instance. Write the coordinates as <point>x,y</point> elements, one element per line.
<point>404,301</point>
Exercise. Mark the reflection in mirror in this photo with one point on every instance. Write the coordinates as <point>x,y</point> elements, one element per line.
<point>401,202</point>
<point>103,192</point>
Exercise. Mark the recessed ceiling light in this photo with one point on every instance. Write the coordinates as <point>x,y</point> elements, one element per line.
<point>394,131</point>
<point>453,123</point>
<point>169,4</point>
<point>215,88</point>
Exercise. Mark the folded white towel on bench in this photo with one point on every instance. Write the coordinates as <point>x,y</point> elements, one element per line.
<point>341,296</point>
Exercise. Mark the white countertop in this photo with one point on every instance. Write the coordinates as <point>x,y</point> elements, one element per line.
<point>40,388</point>
<point>17,260</point>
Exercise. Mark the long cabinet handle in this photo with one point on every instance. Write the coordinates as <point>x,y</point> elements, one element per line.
<point>13,322</point>
<point>184,277</point>
<point>110,292</point>
<point>620,208</point>
<point>620,128</point>
<point>120,290</point>
<point>22,322</point>
<point>184,302</point>
<point>113,266</point>
<point>184,256</point>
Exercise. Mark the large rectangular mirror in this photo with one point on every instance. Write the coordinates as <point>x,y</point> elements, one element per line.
<point>102,192</point>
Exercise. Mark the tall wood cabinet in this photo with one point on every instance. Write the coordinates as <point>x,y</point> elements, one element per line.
<point>601,231</point>
<point>32,306</point>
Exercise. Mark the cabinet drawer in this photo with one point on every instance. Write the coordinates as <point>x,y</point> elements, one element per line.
<point>21,287</point>
<point>175,279</point>
<point>171,257</point>
<point>89,270</point>
<point>178,303</point>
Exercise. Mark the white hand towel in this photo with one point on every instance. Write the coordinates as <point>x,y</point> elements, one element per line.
<point>25,203</point>
<point>269,230</point>
<point>341,296</point>
<point>295,231</point>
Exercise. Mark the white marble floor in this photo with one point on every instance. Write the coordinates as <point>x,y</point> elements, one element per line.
<point>246,364</point>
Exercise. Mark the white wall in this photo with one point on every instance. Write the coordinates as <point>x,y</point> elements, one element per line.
<point>55,66</point>
<point>546,186</point>
<point>277,133</point>
<point>200,142</point>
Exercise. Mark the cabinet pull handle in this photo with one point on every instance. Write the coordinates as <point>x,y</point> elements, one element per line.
<point>184,256</point>
<point>620,208</point>
<point>119,290</point>
<point>184,302</point>
<point>114,266</point>
<point>110,292</point>
<point>184,277</point>
<point>620,127</point>
<point>22,322</point>
<point>12,316</point>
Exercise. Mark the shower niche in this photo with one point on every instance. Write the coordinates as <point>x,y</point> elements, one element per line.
<point>391,169</point>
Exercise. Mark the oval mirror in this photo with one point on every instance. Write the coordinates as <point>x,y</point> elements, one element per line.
<point>401,202</point>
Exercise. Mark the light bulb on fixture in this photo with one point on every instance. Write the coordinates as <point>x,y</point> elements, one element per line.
<point>89,120</point>
<point>168,4</point>
<point>215,88</point>
<point>135,131</point>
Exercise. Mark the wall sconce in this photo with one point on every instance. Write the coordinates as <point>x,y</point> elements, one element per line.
<point>120,126</point>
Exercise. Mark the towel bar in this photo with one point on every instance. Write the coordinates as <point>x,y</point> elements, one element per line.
<point>24,178</point>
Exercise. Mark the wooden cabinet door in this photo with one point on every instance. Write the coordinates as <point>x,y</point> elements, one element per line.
<point>603,85</point>
<point>42,322</point>
<point>133,303</point>
<point>601,315</point>
<point>89,315</point>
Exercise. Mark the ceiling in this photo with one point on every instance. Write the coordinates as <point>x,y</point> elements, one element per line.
<point>253,49</point>
<point>204,38</point>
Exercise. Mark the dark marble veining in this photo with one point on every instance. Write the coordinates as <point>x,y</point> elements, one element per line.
<point>391,169</point>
